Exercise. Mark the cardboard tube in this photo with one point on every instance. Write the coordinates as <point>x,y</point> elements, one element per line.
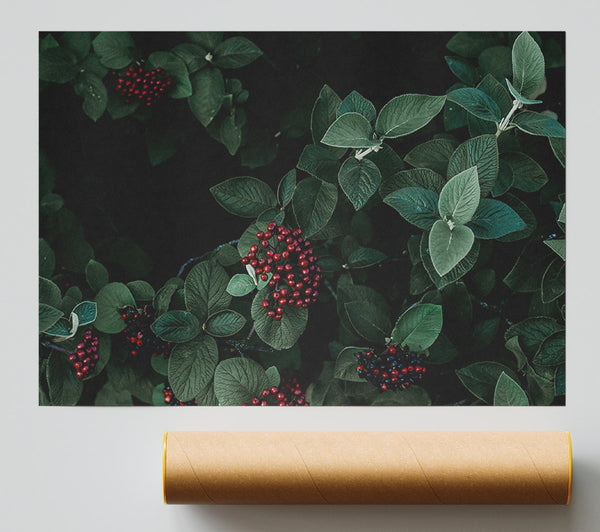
<point>367,468</point>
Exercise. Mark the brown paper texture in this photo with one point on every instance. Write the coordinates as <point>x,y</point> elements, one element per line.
<point>367,468</point>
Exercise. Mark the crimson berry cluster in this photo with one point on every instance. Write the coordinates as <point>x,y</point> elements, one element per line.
<point>290,259</point>
<point>140,335</point>
<point>171,400</point>
<point>85,357</point>
<point>288,393</point>
<point>390,370</point>
<point>147,87</point>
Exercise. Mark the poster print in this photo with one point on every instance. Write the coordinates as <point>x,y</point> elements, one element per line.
<point>302,219</point>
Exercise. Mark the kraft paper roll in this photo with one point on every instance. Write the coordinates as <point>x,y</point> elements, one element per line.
<point>367,468</point>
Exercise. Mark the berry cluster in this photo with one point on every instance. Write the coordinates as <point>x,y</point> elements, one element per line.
<point>140,335</point>
<point>171,400</point>
<point>390,370</point>
<point>288,393</point>
<point>85,357</point>
<point>286,255</point>
<point>147,87</point>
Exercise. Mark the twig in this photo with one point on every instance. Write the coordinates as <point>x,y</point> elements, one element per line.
<point>57,348</point>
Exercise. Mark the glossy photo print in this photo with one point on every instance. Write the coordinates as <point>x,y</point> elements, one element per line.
<point>302,219</point>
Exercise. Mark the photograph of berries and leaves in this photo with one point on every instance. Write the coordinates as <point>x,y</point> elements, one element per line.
<point>302,219</point>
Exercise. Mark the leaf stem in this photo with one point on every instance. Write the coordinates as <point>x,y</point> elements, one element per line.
<point>360,154</point>
<point>194,259</point>
<point>330,288</point>
<point>57,348</point>
<point>503,125</point>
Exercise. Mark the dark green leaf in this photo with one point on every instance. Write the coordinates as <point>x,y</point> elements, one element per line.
<point>111,299</point>
<point>49,293</point>
<point>115,49</point>
<point>231,134</point>
<point>73,296</point>
<point>176,326</point>
<point>351,130</point>
<point>273,376</point>
<point>413,396</point>
<point>359,179</point>
<point>206,39</point>
<point>559,246</point>
<point>419,327</point>
<point>208,91</point>
<point>433,154</point>
<point>459,198</point>
<point>238,381</point>
<point>369,320</point>
<point>484,281</point>
<point>463,70</point>
<point>517,95</point>
<point>313,203</point>
<point>494,219</point>
<point>540,386</point>
<point>287,359</point>
<point>96,275</point>
<point>225,323</point>
<point>560,381</point>
<point>481,152</point>
<point>496,60</point>
<point>193,56</point>
<point>553,282</point>
<point>509,393</point>
<point>417,177</point>
<point>558,146</point>
<point>63,385</point>
<point>551,351</point>
<point>109,395</point>
<point>141,290</point>
<point>526,274</point>
<point>57,65</point>
<point>205,289</point>
<point>532,332</point>
<point>278,334</point>
<point>48,316</point>
<point>51,203</point>
<point>236,52</point>
<point>86,312</point>
<point>512,344</point>
<point>346,364</point>
<point>287,185</point>
<point>175,68</point>
<point>407,113</point>
<point>417,206</point>
<point>46,259</point>
<point>496,91</point>
<point>442,351</point>
<point>419,280</point>
<point>192,366</point>
<point>319,162</point>
<point>527,64</point>
<point>539,124</point>
<point>244,196</point>
<point>365,257</point>
<point>476,102</point>
<point>95,96</point>
<point>323,115</point>
<point>387,160</point>
<point>528,175</point>
<point>356,103</point>
<point>163,296</point>
<point>524,213</point>
<point>480,378</point>
<point>505,179</point>
<point>472,43</point>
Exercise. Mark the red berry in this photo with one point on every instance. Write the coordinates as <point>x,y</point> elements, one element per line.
<point>265,303</point>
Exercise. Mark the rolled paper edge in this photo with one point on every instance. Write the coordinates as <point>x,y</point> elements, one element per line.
<point>570,468</point>
<point>164,467</point>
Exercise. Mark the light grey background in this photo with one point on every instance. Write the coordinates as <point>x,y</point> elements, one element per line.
<point>96,469</point>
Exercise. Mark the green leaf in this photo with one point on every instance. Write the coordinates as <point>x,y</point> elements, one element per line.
<point>505,179</point>
<point>244,196</point>
<point>175,68</point>
<point>205,289</point>
<point>419,280</point>
<point>208,91</point>
<point>463,70</point>
<point>141,290</point>
<point>192,366</point>
<point>553,282</point>
<point>273,376</point>
<point>527,64</point>
<point>319,162</point>
<point>558,146</point>
<point>49,293</point>
<point>524,213</point>
<point>47,261</point>
<point>560,381</point>
<point>63,385</point>
<point>359,180</point>
<point>287,185</point>
<point>231,134</point>
<point>238,381</point>
<point>313,203</point>
<point>117,107</point>
<point>481,152</point>
<point>509,393</point>
<point>206,39</point>
<point>551,351</point>
<point>162,299</point>
<point>48,42</point>
<point>51,203</point>
<point>407,113</point>
<point>48,316</point>
<point>484,281</point>
<point>109,395</point>
<point>236,52</point>
<point>449,246</point>
<point>365,257</point>
<point>111,299</point>
<point>57,65</point>
<point>73,296</point>
<point>417,206</point>
<point>463,267</point>
<point>540,384</point>
<point>496,91</point>
<point>419,327</point>
<point>95,96</point>
<point>433,154</point>
<point>515,93</point>
<point>278,334</point>
<point>496,60</point>
<point>286,359</point>
<point>532,332</point>
<point>369,320</point>
<point>176,326</point>
<point>512,344</point>
<point>96,275</point>
<point>225,323</point>
<point>413,396</point>
<point>61,329</point>
<point>476,102</point>
<point>442,351</point>
<point>539,124</point>
<point>192,55</point>
<point>351,130</point>
<point>323,115</point>
<point>240,285</point>
<point>114,48</point>
<point>459,199</point>
<point>416,177</point>
<point>86,312</point>
<point>472,43</point>
<point>346,364</point>
<point>494,219</point>
<point>559,246</point>
<point>480,378</point>
<point>356,103</point>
